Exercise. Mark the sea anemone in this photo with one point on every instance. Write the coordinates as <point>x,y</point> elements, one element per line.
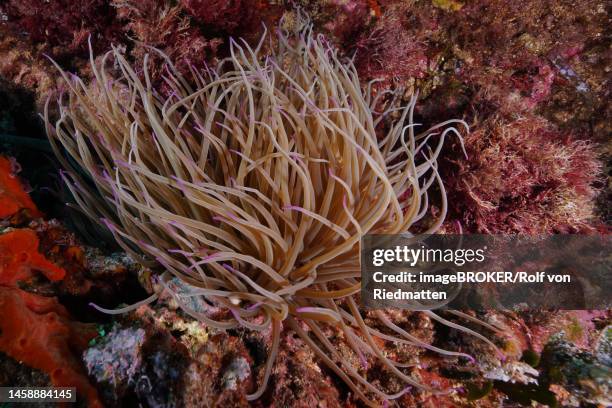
<point>253,183</point>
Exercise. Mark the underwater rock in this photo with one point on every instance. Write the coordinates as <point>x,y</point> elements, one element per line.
<point>515,372</point>
<point>26,70</point>
<point>298,380</point>
<point>603,349</point>
<point>586,378</point>
<point>89,273</point>
<point>143,361</point>
<point>117,263</point>
<point>160,358</point>
<point>116,359</point>
<point>580,327</point>
<point>238,370</point>
<point>133,362</point>
<point>217,365</point>
<point>220,373</point>
<point>16,374</point>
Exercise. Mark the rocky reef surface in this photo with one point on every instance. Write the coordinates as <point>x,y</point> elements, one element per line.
<point>532,79</point>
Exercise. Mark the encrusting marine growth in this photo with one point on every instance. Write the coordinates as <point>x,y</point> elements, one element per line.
<point>253,183</point>
<point>35,329</point>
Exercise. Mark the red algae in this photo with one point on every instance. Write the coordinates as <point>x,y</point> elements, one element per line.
<point>390,52</point>
<point>524,176</point>
<point>168,28</point>
<point>62,27</point>
<point>342,21</point>
<point>223,15</point>
<point>242,18</point>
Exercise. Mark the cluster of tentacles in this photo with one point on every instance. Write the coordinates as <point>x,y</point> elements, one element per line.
<point>253,183</point>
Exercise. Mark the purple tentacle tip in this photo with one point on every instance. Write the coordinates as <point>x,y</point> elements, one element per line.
<point>229,268</point>
<point>209,257</point>
<point>363,361</point>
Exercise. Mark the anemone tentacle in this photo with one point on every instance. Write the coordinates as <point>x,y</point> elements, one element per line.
<point>254,183</point>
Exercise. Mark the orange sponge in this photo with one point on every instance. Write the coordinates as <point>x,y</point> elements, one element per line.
<point>37,330</point>
<point>12,195</point>
<point>19,256</point>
